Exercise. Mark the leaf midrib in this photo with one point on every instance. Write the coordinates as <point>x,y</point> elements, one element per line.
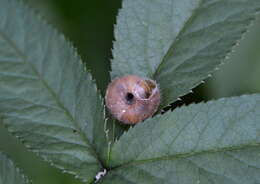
<point>173,45</point>
<point>187,154</point>
<point>53,94</point>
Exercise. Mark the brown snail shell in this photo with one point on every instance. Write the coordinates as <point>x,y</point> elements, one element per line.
<point>132,99</point>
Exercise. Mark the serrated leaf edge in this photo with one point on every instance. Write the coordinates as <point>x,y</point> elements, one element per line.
<point>18,169</point>
<point>41,20</point>
<point>222,61</point>
<point>182,154</point>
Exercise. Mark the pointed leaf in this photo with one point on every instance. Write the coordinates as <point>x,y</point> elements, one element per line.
<point>9,174</point>
<point>47,99</point>
<point>216,142</point>
<point>178,43</point>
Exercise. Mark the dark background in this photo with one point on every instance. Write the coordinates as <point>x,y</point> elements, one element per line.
<point>89,25</point>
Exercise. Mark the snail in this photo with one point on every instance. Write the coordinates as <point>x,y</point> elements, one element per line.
<point>132,99</point>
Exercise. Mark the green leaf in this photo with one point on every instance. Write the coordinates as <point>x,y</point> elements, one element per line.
<point>178,43</point>
<point>47,98</point>
<point>9,174</point>
<point>215,142</point>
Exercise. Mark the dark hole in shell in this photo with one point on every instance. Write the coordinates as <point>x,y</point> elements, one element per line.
<point>129,98</point>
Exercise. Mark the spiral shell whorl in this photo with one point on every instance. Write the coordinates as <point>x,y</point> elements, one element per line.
<point>132,99</point>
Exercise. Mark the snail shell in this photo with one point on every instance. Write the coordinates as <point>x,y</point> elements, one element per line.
<point>132,99</point>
